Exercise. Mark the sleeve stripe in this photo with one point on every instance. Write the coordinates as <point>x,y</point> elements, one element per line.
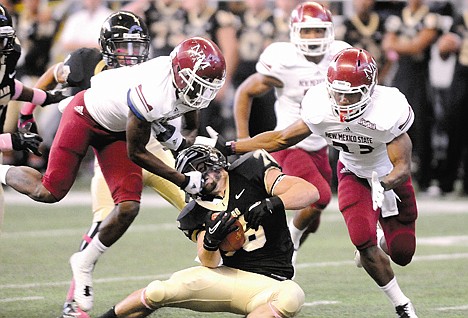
<point>408,120</point>
<point>133,108</point>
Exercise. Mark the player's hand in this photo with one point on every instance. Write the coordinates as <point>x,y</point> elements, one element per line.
<point>194,182</point>
<point>53,97</point>
<point>171,138</point>
<point>261,209</point>
<point>26,140</point>
<point>216,140</point>
<point>23,120</point>
<point>377,192</point>
<point>217,229</point>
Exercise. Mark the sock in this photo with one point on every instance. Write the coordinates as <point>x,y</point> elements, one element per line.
<point>394,293</point>
<point>3,171</point>
<point>109,314</point>
<point>92,253</point>
<point>296,234</point>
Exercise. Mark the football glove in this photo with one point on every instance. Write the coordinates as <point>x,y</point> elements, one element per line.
<point>217,229</point>
<point>261,209</point>
<point>217,141</point>
<point>171,138</point>
<point>26,140</point>
<point>193,183</point>
<point>23,120</point>
<point>53,97</point>
<point>377,192</point>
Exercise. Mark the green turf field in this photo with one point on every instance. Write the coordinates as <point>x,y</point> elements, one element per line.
<point>38,239</point>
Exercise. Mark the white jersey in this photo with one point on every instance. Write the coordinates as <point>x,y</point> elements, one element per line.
<point>146,89</point>
<point>362,141</point>
<point>282,61</point>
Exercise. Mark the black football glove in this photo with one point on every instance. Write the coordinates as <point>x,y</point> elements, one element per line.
<point>171,138</point>
<point>26,140</point>
<point>53,97</point>
<point>217,229</point>
<point>261,209</point>
<point>23,120</point>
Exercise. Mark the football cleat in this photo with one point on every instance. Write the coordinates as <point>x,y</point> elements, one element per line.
<point>406,311</point>
<point>82,275</point>
<point>380,242</point>
<point>71,310</point>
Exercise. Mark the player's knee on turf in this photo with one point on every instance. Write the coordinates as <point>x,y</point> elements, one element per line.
<point>290,299</point>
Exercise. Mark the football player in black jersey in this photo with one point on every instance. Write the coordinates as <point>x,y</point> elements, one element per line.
<point>12,89</point>
<point>255,280</point>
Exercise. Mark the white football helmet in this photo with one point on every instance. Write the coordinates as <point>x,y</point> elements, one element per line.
<point>351,78</point>
<point>311,15</point>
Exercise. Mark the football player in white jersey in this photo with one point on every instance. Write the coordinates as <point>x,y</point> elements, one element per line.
<point>368,124</point>
<point>116,117</point>
<point>291,68</point>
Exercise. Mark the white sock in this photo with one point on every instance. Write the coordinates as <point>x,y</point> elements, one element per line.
<point>296,234</point>
<point>394,293</point>
<point>3,171</point>
<point>93,251</point>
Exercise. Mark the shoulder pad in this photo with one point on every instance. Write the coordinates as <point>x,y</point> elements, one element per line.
<point>253,165</point>
<point>278,54</point>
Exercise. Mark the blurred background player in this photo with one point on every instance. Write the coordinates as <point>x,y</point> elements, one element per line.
<point>13,89</point>
<point>291,68</point>
<point>368,124</point>
<point>407,41</point>
<point>455,42</point>
<point>255,280</point>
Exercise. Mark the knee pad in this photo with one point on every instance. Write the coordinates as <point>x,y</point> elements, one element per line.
<point>290,299</point>
<point>401,246</point>
<point>154,294</point>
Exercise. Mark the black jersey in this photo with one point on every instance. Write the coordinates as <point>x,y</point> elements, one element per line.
<point>81,65</point>
<point>7,74</point>
<point>367,35</point>
<point>268,250</point>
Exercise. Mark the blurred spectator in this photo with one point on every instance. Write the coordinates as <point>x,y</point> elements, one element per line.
<point>408,40</point>
<point>206,20</point>
<point>282,17</point>
<point>254,36</point>
<point>456,42</point>
<point>165,20</point>
<point>365,29</point>
<point>81,28</point>
<point>36,30</point>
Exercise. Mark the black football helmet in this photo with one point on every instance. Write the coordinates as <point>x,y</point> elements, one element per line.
<point>124,39</point>
<point>7,33</point>
<point>200,158</point>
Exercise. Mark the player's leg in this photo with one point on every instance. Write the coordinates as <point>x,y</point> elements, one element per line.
<point>125,183</point>
<point>166,189</point>
<point>400,230</point>
<point>70,145</point>
<point>315,168</point>
<point>355,204</point>
<point>102,205</point>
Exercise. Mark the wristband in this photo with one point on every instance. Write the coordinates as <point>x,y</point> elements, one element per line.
<point>274,203</point>
<point>230,148</point>
<point>384,185</point>
<point>185,183</point>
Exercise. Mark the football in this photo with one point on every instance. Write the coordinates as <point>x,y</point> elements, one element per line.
<point>235,240</point>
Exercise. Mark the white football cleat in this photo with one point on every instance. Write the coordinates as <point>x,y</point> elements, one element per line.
<point>82,275</point>
<point>406,311</point>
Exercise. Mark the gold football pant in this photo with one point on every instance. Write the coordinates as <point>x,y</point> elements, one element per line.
<point>224,289</point>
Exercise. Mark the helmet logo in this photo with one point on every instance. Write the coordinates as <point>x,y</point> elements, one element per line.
<point>198,57</point>
<point>369,70</point>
